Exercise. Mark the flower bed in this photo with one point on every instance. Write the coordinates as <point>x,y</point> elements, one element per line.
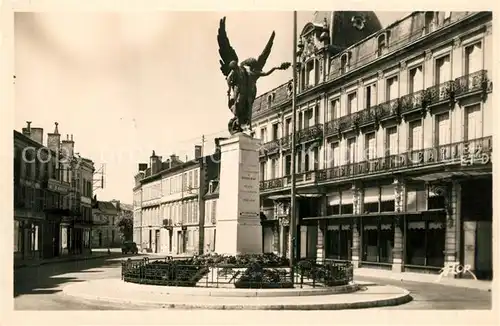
<point>328,274</point>
<point>188,272</point>
<point>258,277</point>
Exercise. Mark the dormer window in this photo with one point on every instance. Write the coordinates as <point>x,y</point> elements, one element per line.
<point>382,44</point>
<point>447,17</point>
<point>312,73</point>
<point>345,62</point>
<point>430,21</point>
<point>269,100</point>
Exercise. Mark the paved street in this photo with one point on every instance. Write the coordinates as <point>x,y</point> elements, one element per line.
<point>40,288</point>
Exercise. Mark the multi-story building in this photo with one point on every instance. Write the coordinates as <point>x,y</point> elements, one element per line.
<point>106,232</point>
<point>393,159</point>
<point>169,199</point>
<point>79,172</point>
<point>44,190</point>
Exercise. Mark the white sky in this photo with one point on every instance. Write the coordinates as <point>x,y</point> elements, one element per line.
<point>127,83</point>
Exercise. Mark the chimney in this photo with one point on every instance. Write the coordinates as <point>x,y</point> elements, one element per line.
<point>37,135</point>
<point>197,151</point>
<point>54,139</point>
<point>68,146</point>
<point>155,163</point>
<point>27,130</point>
<point>143,167</point>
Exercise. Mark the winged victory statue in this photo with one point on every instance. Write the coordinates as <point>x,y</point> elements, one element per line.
<point>242,79</point>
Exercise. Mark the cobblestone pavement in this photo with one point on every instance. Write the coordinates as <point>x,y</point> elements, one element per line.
<point>40,288</point>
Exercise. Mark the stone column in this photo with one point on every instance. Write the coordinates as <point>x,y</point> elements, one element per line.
<point>320,247</point>
<point>452,237</point>
<point>357,203</point>
<point>399,206</point>
<point>356,245</point>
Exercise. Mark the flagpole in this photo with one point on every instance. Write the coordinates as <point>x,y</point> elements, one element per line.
<point>293,222</point>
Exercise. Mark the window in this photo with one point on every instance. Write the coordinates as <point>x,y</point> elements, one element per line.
<point>415,135</point>
<point>381,45</point>
<point>370,95</point>
<point>387,203</point>
<point>416,198</point>
<point>338,241</point>
<point>352,103</point>
<point>288,165</point>
<point>334,159</point>
<point>392,140</point>
<point>447,17</point>
<point>473,58</point>
<point>392,88</point>
<point>344,63</point>
<point>275,131</point>
<point>346,202</point>
<point>378,241</point>
<point>214,211</point>
<point>274,168</point>
<point>334,109</point>
<point>269,100</point>
<point>311,74</point>
<point>370,147</point>
<point>195,180</point>
<point>262,171</point>
<point>263,134</point>
<point>442,130</point>
<point>333,204</point>
<point>473,122</point>
<point>416,80</point>
<point>430,23</point>
<point>425,242</point>
<point>351,150</point>
<point>443,69</point>
<point>371,200</point>
<point>288,126</point>
<point>315,158</point>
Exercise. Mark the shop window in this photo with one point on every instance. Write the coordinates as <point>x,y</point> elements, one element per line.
<point>425,241</point>
<point>371,200</point>
<point>416,197</point>
<point>378,241</point>
<point>338,242</point>
<point>346,202</point>
<point>436,199</point>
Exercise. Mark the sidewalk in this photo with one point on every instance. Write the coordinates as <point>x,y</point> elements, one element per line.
<point>424,278</point>
<point>96,253</point>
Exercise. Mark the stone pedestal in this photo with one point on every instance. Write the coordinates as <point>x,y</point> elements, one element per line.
<point>238,211</point>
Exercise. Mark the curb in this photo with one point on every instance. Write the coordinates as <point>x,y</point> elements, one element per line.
<point>405,298</point>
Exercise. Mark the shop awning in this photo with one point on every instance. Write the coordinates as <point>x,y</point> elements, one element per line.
<point>287,196</point>
<point>451,174</point>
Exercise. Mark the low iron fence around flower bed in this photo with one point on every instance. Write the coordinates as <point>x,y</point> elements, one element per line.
<point>236,272</point>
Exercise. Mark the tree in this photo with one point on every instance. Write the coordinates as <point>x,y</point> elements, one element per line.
<point>126,226</point>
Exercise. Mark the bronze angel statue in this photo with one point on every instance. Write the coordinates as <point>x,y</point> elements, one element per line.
<point>242,79</point>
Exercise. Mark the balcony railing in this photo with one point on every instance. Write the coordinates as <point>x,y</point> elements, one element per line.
<point>310,133</point>
<point>476,81</point>
<point>477,151</point>
<point>411,102</point>
<point>270,147</point>
<point>439,93</point>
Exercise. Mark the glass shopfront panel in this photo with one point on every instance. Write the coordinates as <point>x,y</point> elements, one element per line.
<point>425,241</point>
<point>378,241</point>
<point>338,242</point>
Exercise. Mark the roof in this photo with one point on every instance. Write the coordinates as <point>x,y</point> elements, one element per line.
<point>106,207</point>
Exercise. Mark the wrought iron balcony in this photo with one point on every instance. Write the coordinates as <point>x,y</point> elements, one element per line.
<point>471,83</point>
<point>388,109</point>
<point>270,147</point>
<point>310,133</point>
<point>477,151</point>
<point>439,93</point>
<point>412,102</point>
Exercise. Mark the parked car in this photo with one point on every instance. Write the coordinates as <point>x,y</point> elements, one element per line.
<point>129,246</point>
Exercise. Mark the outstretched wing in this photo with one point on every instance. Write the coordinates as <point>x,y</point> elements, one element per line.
<point>226,51</point>
<point>261,61</point>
